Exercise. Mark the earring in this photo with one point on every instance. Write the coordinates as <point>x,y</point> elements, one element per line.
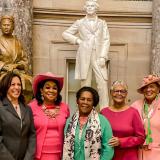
<point>42,97</point>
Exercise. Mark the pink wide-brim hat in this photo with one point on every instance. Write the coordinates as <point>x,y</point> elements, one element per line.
<point>46,76</point>
<point>148,80</point>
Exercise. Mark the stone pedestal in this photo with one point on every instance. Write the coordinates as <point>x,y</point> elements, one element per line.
<point>155,56</point>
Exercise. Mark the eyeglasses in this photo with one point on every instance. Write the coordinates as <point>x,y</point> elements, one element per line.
<point>120,91</point>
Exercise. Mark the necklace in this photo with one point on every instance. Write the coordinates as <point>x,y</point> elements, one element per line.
<point>16,106</point>
<point>82,121</point>
<point>50,111</point>
<point>17,109</point>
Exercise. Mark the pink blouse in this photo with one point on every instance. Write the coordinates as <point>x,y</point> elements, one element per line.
<point>127,126</point>
<point>52,142</point>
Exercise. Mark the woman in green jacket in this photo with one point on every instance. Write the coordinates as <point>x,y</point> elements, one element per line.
<point>87,132</point>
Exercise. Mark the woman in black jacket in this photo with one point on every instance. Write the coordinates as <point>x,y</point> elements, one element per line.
<point>17,132</point>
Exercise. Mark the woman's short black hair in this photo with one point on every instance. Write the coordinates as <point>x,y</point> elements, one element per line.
<point>5,84</point>
<point>38,95</point>
<point>92,91</point>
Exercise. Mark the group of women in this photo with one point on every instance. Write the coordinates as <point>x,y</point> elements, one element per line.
<point>44,129</point>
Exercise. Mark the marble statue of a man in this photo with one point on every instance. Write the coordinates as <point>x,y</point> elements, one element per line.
<point>94,41</point>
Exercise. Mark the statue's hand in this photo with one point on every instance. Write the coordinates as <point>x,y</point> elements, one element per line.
<point>20,66</point>
<point>9,67</point>
<point>79,41</point>
<point>5,68</point>
<point>101,62</point>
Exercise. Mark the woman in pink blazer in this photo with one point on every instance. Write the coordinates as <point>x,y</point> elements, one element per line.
<point>50,116</point>
<point>149,109</point>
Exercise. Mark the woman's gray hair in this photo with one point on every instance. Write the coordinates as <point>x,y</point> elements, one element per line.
<point>119,82</point>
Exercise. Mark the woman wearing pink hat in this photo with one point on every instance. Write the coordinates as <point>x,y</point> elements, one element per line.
<point>149,109</point>
<point>50,116</point>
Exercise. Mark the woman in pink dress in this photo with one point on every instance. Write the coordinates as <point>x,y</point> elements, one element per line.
<point>50,116</point>
<point>128,130</point>
<point>149,109</point>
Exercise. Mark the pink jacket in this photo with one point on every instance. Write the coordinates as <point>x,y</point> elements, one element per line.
<point>40,117</point>
<point>154,147</point>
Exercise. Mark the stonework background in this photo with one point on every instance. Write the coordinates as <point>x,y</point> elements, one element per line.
<point>130,25</point>
<point>155,59</point>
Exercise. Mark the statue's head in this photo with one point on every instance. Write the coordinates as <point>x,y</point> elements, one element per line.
<point>91,7</point>
<point>7,24</point>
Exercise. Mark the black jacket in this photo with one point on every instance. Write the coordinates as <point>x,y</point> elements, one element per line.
<point>17,136</point>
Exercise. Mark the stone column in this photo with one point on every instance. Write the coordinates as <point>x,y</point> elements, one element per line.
<point>22,12</point>
<point>155,56</point>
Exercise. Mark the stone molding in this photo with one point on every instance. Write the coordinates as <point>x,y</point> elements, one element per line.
<point>110,16</point>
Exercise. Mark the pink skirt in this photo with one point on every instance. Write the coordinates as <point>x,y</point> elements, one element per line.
<point>153,154</point>
<point>50,156</point>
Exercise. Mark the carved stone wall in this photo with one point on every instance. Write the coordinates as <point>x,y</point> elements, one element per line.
<point>155,63</point>
<point>22,11</point>
<point>129,23</point>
